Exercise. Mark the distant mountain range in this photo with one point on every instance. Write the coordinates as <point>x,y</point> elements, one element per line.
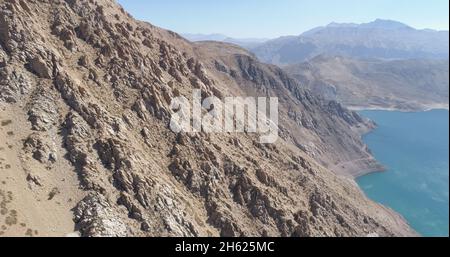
<point>383,39</point>
<point>412,84</point>
<point>380,64</point>
<point>243,42</point>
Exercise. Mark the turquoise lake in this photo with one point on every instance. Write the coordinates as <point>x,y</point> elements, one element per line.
<point>414,147</point>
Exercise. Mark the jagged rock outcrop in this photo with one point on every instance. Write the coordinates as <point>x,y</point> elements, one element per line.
<point>96,217</point>
<point>96,84</point>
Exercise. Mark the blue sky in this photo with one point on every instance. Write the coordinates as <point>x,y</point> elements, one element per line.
<point>273,18</point>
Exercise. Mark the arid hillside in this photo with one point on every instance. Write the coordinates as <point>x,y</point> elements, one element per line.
<point>417,84</point>
<point>86,149</point>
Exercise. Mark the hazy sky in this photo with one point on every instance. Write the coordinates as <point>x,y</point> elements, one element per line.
<point>273,18</point>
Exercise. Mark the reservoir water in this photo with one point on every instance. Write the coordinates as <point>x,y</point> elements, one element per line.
<point>414,147</point>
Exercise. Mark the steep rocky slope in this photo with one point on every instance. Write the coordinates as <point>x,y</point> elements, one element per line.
<point>324,130</point>
<point>85,144</point>
<point>369,83</point>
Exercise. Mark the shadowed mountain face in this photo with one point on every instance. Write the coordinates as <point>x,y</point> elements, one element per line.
<point>381,39</point>
<point>85,144</point>
<point>370,83</point>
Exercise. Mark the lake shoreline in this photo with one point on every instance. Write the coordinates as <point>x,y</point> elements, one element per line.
<point>404,178</point>
<point>424,108</point>
<point>382,168</point>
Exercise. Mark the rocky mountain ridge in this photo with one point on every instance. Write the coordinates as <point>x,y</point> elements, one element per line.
<point>247,43</point>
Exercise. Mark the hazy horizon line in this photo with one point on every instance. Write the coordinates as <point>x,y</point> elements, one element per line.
<point>300,33</point>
